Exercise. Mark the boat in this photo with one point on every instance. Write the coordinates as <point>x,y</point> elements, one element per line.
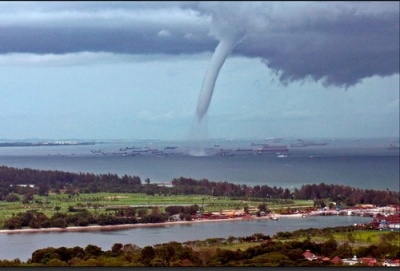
<point>279,155</point>
<point>170,148</point>
<point>272,149</point>
<point>303,143</point>
<point>223,152</point>
<point>240,151</point>
<point>257,144</point>
<point>273,217</point>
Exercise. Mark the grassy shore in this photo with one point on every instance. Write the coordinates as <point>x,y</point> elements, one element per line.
<point>101,202</point>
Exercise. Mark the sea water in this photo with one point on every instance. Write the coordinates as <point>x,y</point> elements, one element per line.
<point>365,164</point>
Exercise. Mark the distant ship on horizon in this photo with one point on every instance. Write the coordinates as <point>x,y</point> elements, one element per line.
<point>303,143</point>
<point>266,148</point>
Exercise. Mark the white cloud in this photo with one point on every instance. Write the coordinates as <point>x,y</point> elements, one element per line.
<point>87,58</point>
<point>82,58</point>
<point>164,33</point>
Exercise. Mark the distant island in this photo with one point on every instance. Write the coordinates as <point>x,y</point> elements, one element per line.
<point>45,143</point>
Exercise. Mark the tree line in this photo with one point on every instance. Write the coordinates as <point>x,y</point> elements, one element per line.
<point>113,216</point>
<point>46,181</point>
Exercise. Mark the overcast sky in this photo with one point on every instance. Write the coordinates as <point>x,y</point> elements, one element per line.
<point>134,70</point>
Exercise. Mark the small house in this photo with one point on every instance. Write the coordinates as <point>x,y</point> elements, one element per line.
<point>308,255</point>
<point>336,260</point>
<point>368,261</point>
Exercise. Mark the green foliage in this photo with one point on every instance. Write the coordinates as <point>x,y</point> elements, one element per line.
<point>265,251</point>
<point>147,255</point>
<point>154,218</point>
<point>329,247</point>
<point>12,197</point>
<point>284,235</point>
<point>344,251</point>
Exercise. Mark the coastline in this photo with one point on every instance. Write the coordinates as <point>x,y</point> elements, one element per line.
<point>122,226</point>
<point>149,225</point>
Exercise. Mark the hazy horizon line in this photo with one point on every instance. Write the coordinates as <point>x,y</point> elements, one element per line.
<point>204,139</point>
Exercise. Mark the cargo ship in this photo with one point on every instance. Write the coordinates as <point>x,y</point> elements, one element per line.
<point>272,149</point>
<point>303,143</point>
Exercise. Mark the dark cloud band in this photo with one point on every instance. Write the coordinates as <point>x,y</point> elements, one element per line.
<point>338,44</point>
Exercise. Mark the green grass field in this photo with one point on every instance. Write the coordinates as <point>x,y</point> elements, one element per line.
<point>362,238</point>
<point>99,202</point>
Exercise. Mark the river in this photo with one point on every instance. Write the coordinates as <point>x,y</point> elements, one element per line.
<point>22,245</point>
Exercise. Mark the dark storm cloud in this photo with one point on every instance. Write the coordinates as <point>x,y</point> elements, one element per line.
<point>340,52</point>
<point>67,40</point>
<point>124,27</point>
<point>339,43</point>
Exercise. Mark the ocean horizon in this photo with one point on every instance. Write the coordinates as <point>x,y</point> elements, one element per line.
<point>361,163</point>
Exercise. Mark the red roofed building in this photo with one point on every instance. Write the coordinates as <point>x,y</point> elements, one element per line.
<point>309,255</point>
<point>336,260</point>
<point>368,261</point>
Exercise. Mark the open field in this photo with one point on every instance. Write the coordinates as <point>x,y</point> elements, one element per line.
<point>355,238</point>
<point>362,238</point>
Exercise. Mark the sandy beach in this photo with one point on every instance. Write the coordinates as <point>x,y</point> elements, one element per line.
<point>124,226</point>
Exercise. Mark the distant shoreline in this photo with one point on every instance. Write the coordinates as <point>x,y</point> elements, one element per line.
<point>45,144</point>
<point>122,226</point>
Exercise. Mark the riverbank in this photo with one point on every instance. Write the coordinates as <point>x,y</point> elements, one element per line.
<point>149,225</point>
<point>123,226</point>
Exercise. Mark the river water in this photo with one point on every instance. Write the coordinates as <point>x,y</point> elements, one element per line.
<point>22,245</point>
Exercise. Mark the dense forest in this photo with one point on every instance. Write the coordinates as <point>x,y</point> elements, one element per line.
<point>45,181</point>
<point>263,250</point>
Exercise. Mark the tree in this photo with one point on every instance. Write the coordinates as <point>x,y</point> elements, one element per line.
<point>246,208</point>
<point>155,210</point>
<point>350,202</point>
<point>58,222</point>
<point>12,197</point>
<point>187,217</point>
<point>146,255</point>
<point>117,248</point>
<point>344,250</point>
<point>27,197</point>
<point>13,223</point>
<point>129,251</point>
<point>43,190</point>
<point>142,212</point>
<point>329,247</point>
<point>262,207</point>
<point>350,237</point>
<point>92,250</point>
